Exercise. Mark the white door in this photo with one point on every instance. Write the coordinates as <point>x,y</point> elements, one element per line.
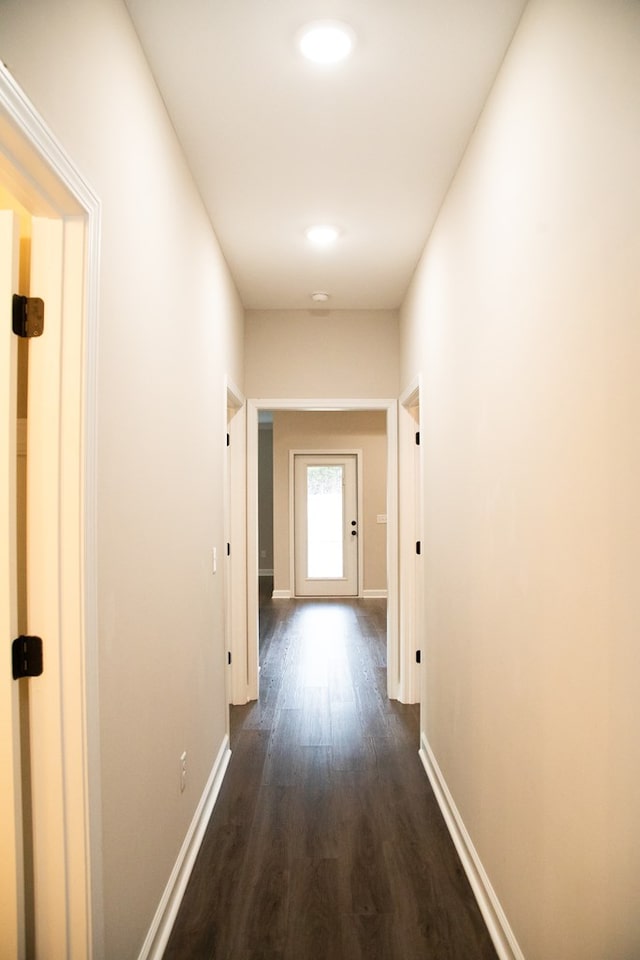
<point>53,836</point>
<point>35,907</point>
<point>326,525</point>
<point>45,900</point>
<point>12,939</point>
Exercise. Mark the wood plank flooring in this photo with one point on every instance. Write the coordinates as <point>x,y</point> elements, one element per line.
<point>326,842</point>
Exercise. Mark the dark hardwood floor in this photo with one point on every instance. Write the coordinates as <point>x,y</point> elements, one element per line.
<point>326,840</point>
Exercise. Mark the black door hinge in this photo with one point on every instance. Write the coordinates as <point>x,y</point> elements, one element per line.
<point>418,547</point>
<point>28,316</point>
<point>418,656</point>
<point>228,549</point>
<point>228,439</point>
<point>26,656</point>
<point>418,438</point>
<point>229,657</point>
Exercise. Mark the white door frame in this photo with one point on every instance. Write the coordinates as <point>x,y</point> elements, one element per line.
<point>12,901</point>
<point>235,565</point>
<point>40,175</point>
<point>292,520</point>
<point>254,406</point>
<point>410,531</point>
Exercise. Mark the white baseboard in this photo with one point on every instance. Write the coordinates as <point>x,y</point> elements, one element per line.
<point>366,595</point>
<point>167,911</point>
<point>494,916</point>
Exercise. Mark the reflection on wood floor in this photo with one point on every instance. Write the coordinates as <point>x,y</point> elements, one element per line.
<point>326,841</point>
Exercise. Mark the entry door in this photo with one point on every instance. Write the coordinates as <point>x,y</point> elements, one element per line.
<point>326,525</point>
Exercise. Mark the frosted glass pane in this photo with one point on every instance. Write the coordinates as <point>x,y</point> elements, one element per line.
<point>324,522</point>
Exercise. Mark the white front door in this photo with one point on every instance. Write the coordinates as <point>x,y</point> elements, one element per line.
<point>326,525</point>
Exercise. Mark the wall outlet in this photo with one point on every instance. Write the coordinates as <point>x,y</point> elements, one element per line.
<point>183,771</point>
<point>381,518</point>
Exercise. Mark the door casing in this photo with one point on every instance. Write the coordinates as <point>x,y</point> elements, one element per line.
<point>235,565</point>
<point>12,880</point>
<point>410,472</point>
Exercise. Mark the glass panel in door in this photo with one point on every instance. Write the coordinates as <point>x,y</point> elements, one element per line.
<point>325,521</point>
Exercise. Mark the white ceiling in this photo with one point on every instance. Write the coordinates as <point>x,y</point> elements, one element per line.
<point>277,144</point>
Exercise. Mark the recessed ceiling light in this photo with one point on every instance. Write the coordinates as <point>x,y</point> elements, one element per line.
<point>319,296</point>
<point>322,235</point>
<point>326,41</point>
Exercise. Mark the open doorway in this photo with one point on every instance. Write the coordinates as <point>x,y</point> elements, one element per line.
<point>284,572</point>
<point>352,443</point>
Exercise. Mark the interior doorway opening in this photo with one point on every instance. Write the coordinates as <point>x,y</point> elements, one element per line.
<point>385,516</point>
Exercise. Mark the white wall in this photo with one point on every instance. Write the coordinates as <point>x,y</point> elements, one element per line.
<point>365,430</point>
<point>170,326</point>
<point>524,317</point>
<point>334,353</point>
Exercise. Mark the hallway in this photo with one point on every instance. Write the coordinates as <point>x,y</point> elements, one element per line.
<point>326,841</point>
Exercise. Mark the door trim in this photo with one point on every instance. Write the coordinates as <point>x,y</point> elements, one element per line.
<point>235,565</point>
<point>12,899</point>
<point>409,531</point>
<point>359,493</point>
<point>254,406</point>
<point>43,178</point>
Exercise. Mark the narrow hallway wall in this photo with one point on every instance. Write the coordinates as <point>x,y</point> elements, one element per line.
<point>160,440</point>
<point>329,353</point>
<point>524,319</point>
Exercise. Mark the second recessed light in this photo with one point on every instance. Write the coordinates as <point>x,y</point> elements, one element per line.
<point>326,41</point>
<point>322,235</point>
